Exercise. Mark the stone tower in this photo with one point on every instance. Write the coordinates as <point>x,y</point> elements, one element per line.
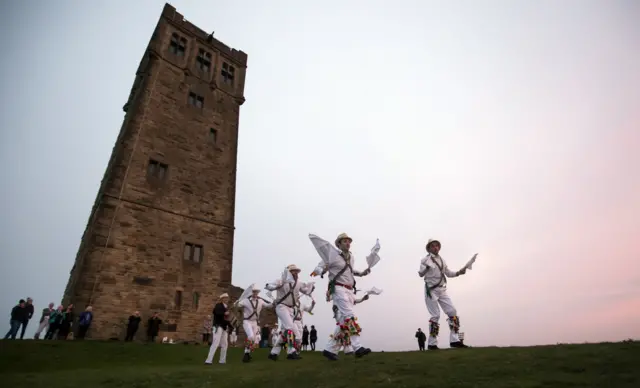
<point>160,234</point>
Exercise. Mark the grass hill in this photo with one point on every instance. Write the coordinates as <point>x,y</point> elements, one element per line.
<point>58,364</point>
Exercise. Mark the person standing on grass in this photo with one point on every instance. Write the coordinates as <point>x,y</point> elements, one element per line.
<point>206,330</point>
<point>221,325</point>
<point>55,321</point>
<point>313,337</point>
<point>66,324</point>
<point>251,308</point>
<point>29,313</point>
<point>435,272</point>
<point>422,338</point>
<point>18,315</point>
<point>132,326</point>
<point>44,321</point>
<point>84,322</point>
<point>153,327</point>
<point>305,338</point>
<point>341,288</point>
<point>288,289</point>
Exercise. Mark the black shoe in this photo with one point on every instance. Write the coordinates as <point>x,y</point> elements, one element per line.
<point>362,351</point>
<point>294,356</point>
<point>458,344</point>
<point>330,356</point>
<point>433,347</point>
<point>273,357</point>
<point>246,357</point>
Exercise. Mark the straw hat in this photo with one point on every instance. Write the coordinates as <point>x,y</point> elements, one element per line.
<point>225,295</point>
<point>293,268</point>
<point>341,237</point>
<point>432,241</point>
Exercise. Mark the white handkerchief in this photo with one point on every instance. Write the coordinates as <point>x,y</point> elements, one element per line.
<point>374,291</point>
<point>373,257</point>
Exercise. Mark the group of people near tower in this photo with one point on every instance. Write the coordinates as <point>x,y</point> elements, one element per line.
<point>338,262</point>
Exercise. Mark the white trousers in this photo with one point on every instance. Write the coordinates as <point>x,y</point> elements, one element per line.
<point>344,299</point>
<point>440,299</point>
<point>285,316</point>
<point>220,338</point>
<point>44,326</point>
<point>252,330</point>
<point>298,330</point>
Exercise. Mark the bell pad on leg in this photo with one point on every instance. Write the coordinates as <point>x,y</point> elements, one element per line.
<point>434,329</point>
<point>454,323</point>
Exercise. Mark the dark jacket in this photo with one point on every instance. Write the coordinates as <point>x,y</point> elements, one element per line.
<point>19,313</point>
<point>313,335</point>
<point>219,319</point>
<point>46,313</point>
<point>134,322</point>
<point>29,309</point>
<point>421,336</point>
<point>85,318</point>
<point>153,326</point>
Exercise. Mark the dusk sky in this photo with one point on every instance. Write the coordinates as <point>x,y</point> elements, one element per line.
<point>510,129</point>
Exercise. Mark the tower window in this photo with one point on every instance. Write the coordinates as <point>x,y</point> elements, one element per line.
<point>193,252</point>
<point>195,100</point>
<point>213,135</point>
<point>157,170</point>
<point>203,61</point>
<point>178,45</point>
<point>228,73</point>
<point>196,300</point>
<point>178,299</point>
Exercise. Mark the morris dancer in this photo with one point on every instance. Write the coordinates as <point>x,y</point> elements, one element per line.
<point>298,312</point>
<point>435,272</point>
<point>252,306</point>
<point>220,327</point>
<point>288,293</point>
<point>342,289</point>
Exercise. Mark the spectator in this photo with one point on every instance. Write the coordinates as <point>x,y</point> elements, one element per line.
<point>18,315</point>
<point>132,326</point>
<point>84,322</point>
<point>313,337</point>
<point>422,338</point>
<point>153,327</point>
<point>305,338</point>
<point>264,335</point>
<point>44,321</point>
<point>207,329</point>
<point>29,314</point>
<point>55,321</point>
<point>67,323</point>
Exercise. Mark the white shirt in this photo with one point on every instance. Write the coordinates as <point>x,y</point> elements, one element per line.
<point>335,265</point>
<point>253,305</point>
<point>291,289</point>
<point>432,275</point>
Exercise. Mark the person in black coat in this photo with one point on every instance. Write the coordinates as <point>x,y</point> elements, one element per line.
<point>29,313</point>
<point>18,315</point>
<point>422,338</point>
<point>313,337</point>
<point>132,326</point>
<point>221,318</point>
<point>153,327</point>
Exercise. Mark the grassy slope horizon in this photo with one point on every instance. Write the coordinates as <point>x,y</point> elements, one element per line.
<point>62,364</point>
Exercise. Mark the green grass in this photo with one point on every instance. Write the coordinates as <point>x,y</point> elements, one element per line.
<point>111,364</point>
